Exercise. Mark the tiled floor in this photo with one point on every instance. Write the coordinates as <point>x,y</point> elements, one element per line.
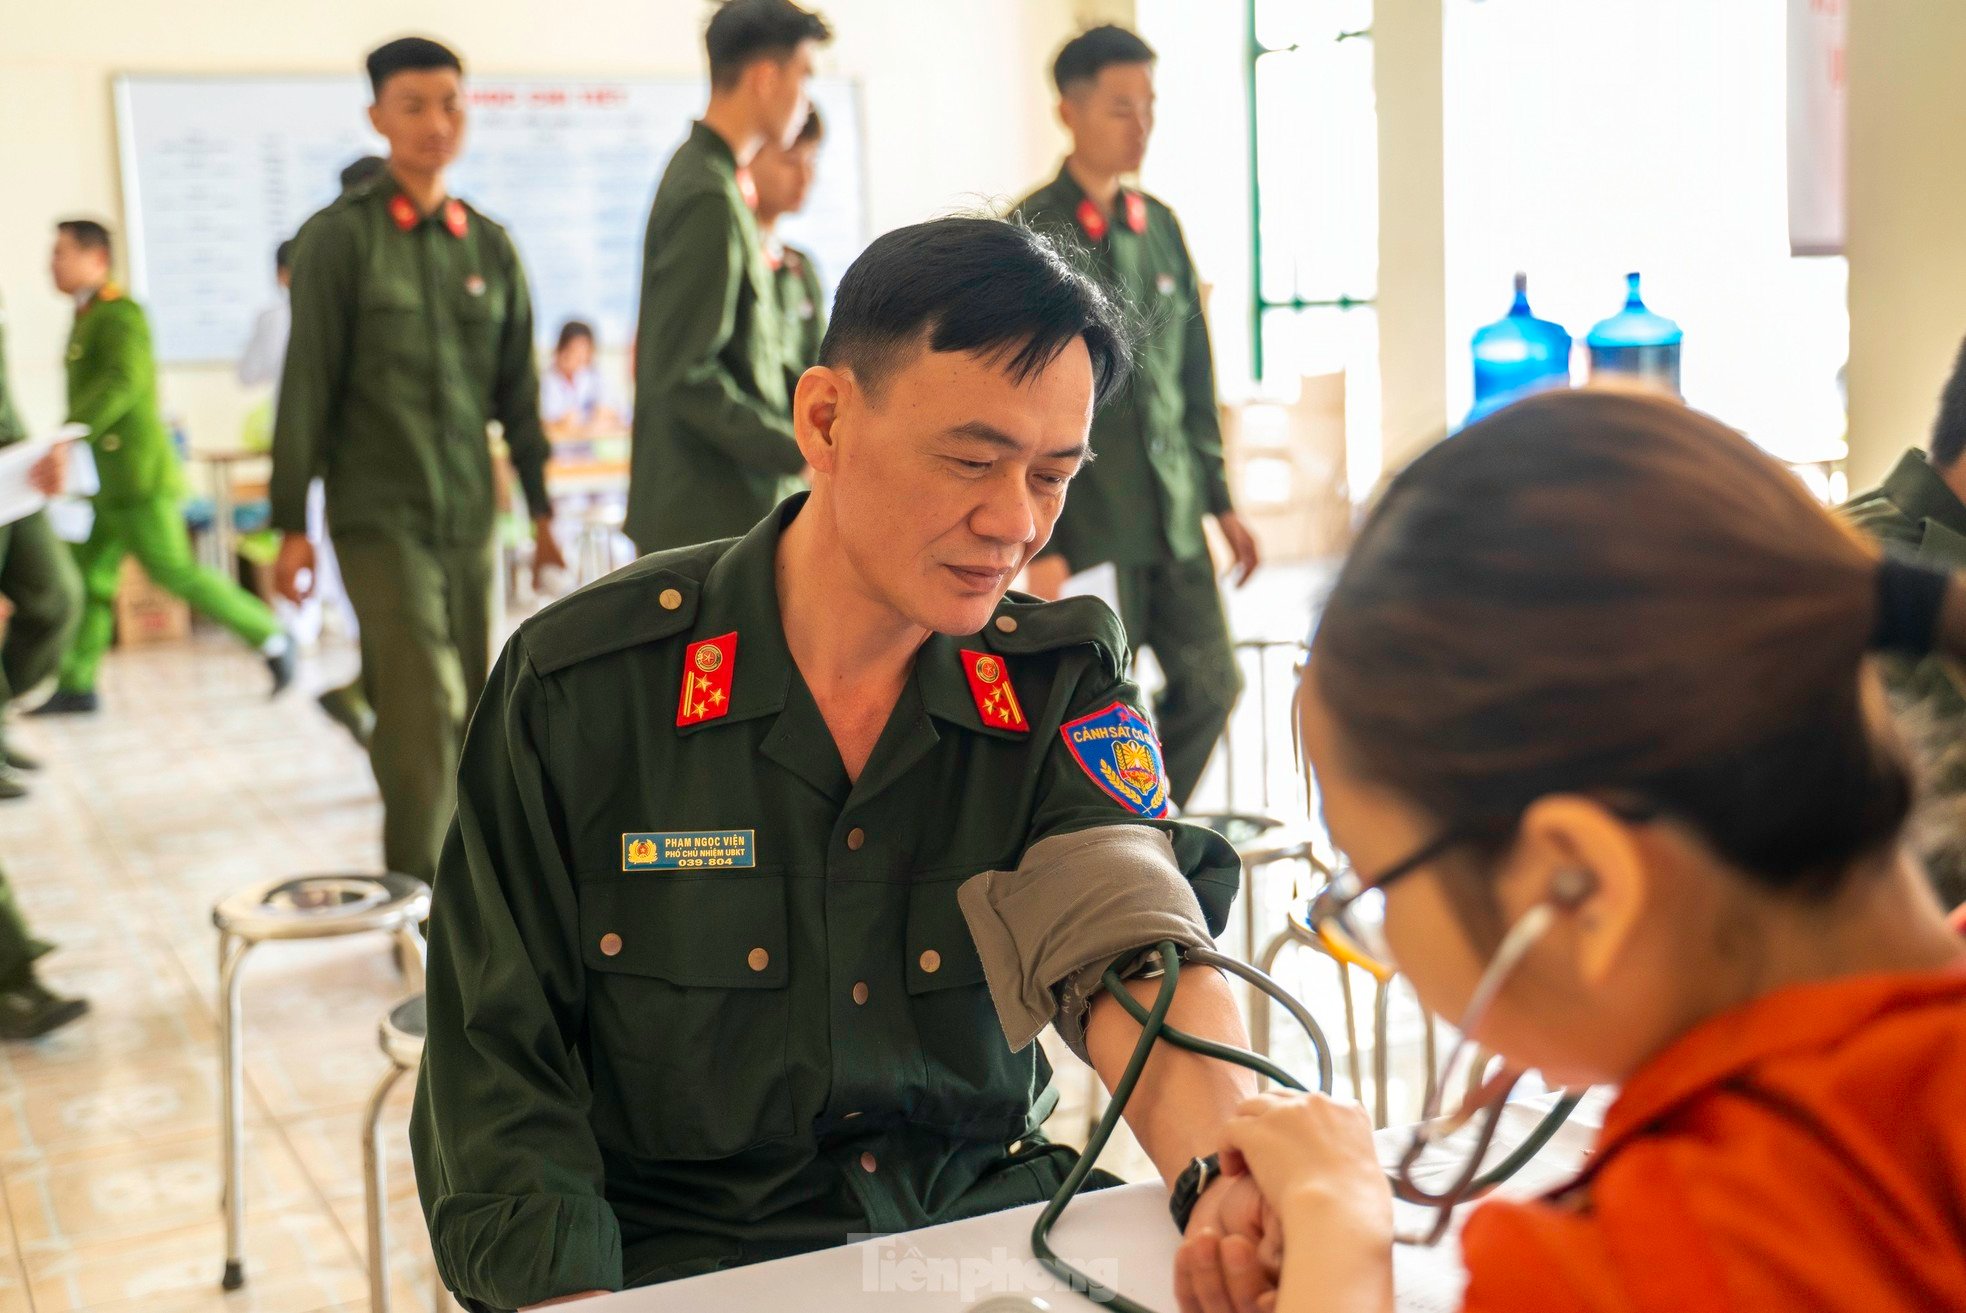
<point>188,785</point>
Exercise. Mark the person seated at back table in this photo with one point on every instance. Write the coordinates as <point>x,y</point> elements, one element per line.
<point>574,400</point>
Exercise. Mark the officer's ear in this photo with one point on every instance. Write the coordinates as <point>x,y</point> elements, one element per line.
<point>816,406</point>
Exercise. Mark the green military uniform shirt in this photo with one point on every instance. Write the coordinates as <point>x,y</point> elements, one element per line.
<point>112,388</point>
<point>411,333</point>
<point>643,1065</point>
<point>1158,444</point>
<point>713,447</point>
<point>11,428</point>
<point>802,302</point>
<point>1915,514</point>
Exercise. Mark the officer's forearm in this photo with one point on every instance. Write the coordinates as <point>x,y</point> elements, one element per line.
<point>1182,1100</point>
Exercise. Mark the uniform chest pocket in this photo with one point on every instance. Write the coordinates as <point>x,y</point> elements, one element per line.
<point>687,1012</point>
<point>975,1086</point>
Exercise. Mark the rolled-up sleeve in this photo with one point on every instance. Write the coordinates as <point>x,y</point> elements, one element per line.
<point>1102,878</point>
<point>507,1164</point>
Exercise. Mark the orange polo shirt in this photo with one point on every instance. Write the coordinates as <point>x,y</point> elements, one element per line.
<point>1806,1151</point>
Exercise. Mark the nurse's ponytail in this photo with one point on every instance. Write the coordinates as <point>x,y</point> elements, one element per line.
<point>1608,592</point>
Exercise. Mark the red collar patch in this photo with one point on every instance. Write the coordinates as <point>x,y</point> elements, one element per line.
<point>1091,221</point>
<point>1136,212</point>
<point>459,222</point>
<point>708,668</point>
<point>996,701</point>
<point>402,211</point>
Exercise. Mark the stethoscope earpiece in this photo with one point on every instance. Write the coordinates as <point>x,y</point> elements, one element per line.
<point>1571,886</point>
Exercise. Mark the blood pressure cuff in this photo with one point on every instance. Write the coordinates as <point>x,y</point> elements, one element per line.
<point>1076,904</point>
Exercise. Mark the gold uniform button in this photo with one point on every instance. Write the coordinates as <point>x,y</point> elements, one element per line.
<point>867,1163</point>
<point>856,839</point>
<point>931,961</point>
<point>1006,624</point>
<point>860,992</point>
<point>759,959</point>
<point>610,945</point>
<point>670,599</point>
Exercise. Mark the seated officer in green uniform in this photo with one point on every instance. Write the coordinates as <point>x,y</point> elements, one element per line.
<point>774,855</point>
<point>1919,511</point>
<point>412,332</point>
<point>42,588</point>
<point>781,179</point>
<point>1158,443</point>
<point>112,391</point>
<point>713,445</point>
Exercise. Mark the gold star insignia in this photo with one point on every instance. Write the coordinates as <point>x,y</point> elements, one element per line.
<point>717,698</point>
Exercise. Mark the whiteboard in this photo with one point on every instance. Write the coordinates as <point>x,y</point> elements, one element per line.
<point>218,171</point>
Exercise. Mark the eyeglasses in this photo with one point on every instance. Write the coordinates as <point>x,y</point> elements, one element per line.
<point>1349,914</point>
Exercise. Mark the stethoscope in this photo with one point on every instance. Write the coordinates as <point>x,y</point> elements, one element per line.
<point>1469,1183</point>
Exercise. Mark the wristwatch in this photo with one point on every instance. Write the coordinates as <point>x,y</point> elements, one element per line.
<point>1188,1186</point>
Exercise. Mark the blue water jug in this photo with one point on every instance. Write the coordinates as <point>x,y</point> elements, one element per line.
<point>1516,355</point>
<point>1637,344</point>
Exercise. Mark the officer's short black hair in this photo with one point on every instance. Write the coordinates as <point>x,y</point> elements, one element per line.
<point>742,32</point>
<point>574,330</point>
<point>361,170</point>
<point>983,287</point>
<point>1086,55</point>
<point>811,130</point>
<point>87,234</point>
<point>1949,430</point>
<point>283,256</point>
<point>409,54</point>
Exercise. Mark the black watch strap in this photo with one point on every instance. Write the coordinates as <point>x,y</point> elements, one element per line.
<point>1188,1188</point>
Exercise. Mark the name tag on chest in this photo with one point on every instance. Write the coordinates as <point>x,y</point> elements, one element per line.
<point>688,850</point>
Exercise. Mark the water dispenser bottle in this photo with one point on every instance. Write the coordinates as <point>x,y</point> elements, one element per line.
<point>1516,355</point>
<point>1636,344</point>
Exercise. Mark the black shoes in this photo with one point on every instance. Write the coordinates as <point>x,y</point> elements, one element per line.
<point>30,1010</point>
<point>283,663</point>
<point>68,704</point>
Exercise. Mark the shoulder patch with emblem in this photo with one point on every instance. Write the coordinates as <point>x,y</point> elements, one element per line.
<point>1119,752</point>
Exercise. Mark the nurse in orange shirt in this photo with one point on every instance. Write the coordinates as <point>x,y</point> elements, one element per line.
<point>1594,681</point>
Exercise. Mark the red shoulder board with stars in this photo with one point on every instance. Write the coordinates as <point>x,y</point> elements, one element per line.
<point>707,669</point>
<point>1121,754</point>
<point>1136,212</point>
<point>996,701</point>
<point>403,211</point>
<point>459,222</point>
<point>1091,221</point>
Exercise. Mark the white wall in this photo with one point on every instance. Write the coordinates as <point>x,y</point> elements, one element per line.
<point>1906,245</point>
<point>956,96</point>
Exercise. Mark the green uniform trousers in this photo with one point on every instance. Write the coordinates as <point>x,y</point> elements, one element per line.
<point>425,613</point>
<point>154,533</point>
<point>39,580</point>
<point>18,948</point>
<point>1175,608</point>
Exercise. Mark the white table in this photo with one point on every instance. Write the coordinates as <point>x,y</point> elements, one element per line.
<point>1120,1236</point>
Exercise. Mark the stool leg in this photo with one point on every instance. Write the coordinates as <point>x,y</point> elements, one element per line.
<point>1351,1033</point>
<point>413,956</point>
<point>1381,1057</point>
<point>232,1038</point>
<point>1259,1021</point>
<point>374,1167</point>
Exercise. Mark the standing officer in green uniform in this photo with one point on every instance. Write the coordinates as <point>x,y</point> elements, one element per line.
<point>713,445</point>
<point>1158,446</point>
<point>773,856</point>
<point>42,588</point>
<point>112,390</point>
<point>412,332</point>
<point>781,179</point>
<point>1919,512</point>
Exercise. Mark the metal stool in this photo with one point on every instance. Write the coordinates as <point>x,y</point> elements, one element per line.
<point>1297,931</point>
<point>594,554</point>
<point>401,1036</point>
<point>303,907</point>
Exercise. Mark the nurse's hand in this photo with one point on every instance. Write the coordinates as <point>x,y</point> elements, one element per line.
<point>1315,1161</point>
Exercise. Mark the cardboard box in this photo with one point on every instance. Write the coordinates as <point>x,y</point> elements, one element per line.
<point>146,613</point>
